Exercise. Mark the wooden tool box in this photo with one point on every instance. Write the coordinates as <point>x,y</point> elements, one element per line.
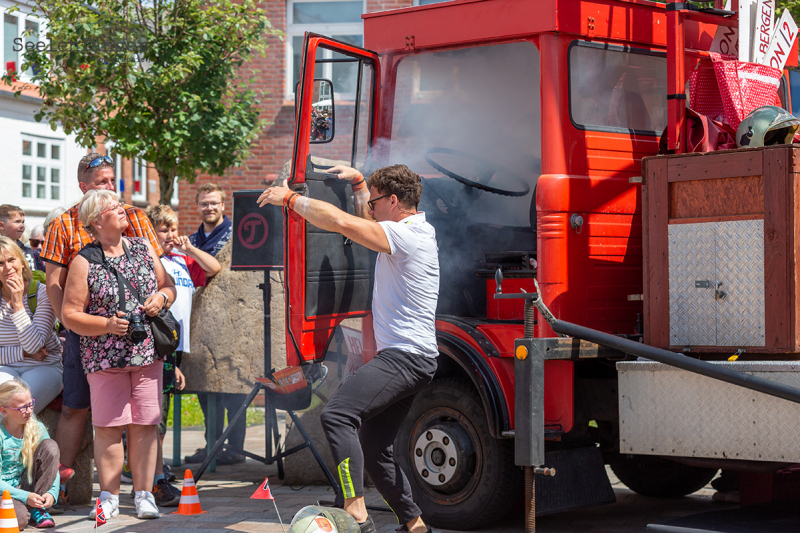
<point>720,251</point>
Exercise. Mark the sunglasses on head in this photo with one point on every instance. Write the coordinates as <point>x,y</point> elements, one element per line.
<point>97,161</point>
<point>35,242</point>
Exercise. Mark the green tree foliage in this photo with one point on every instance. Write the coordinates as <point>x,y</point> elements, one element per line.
<point>165,80</point>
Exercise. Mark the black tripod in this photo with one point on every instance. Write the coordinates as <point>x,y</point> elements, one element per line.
<point>270,415</point>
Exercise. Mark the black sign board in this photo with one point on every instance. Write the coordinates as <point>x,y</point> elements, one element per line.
<point>257,233</point>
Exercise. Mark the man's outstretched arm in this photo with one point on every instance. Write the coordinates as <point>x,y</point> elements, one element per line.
<point>360,191</point>
<point>325,216</point>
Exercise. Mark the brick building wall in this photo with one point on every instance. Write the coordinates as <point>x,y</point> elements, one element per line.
<point>273,148</point>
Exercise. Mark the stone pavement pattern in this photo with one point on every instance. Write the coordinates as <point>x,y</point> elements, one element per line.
<point>225,496</point>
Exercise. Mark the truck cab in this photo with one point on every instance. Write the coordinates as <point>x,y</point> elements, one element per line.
<point>528,122</point>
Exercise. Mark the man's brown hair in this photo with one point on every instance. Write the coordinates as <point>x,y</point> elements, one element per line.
<point>84,162</point>
<point>400,181</point>
<point>8,210</point>
<point>207,188</point>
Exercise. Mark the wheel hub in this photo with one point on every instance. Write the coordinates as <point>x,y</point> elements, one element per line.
<point>439,454</point>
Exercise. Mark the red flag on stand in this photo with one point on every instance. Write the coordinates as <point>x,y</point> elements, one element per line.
<point>100,515</point>
<point>263,492</point>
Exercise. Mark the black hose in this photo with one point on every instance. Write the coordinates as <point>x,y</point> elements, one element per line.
<point>681,361</point>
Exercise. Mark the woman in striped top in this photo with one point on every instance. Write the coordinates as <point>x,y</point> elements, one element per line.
<point>29,347</point>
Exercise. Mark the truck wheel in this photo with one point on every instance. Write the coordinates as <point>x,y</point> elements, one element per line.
<point>461,477</point>
<point>661,478</point>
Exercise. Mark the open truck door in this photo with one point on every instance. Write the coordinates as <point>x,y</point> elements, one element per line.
<point>328,278</point>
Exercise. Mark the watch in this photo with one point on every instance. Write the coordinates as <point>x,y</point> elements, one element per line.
<point>166,298</point>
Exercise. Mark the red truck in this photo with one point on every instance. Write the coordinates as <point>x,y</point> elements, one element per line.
<point>528,121</point>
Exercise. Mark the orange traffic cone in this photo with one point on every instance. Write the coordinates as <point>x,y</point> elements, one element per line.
<point>8,518</point>
<point>190,502</point>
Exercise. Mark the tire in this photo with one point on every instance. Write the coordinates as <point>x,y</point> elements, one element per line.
<point>472,481</point>
<point>661,478</point>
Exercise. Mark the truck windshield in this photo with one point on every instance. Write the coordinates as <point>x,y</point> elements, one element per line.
<point>468,121</point>
<point>474,112</point>
<point>617,89</point>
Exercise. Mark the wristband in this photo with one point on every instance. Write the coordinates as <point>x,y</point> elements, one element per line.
<point>358,183</point>
<point>166,298</point>
<point>291,201</point>
<point>286,198</point>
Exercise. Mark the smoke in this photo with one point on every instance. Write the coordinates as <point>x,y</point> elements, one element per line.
<point>483,103</point>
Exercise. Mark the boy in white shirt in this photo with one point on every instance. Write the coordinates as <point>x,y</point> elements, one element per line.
<point>189,267</point>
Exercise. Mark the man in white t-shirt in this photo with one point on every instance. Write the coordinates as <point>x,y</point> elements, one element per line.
<point>370,406</point>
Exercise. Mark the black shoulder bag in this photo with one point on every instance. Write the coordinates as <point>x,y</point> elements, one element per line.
<point>166,330</point>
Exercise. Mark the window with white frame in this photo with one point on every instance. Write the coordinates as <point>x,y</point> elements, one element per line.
<point>19,25</point>
<point>139,189</point>
<point>42,168</point>
<point>341,19</point>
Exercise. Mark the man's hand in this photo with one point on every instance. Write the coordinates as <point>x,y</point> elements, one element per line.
<point>273,195</point>
<point>39,356</point>
<point>344,173</point>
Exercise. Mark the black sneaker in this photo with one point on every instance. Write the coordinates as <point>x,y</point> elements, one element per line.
<point>367,526</point>
<point>164,495</point>
<point>228,457</point>
<point>170,477</point>
<point>199,456</point>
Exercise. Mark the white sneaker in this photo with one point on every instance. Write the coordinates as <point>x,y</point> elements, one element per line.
<point>110,508</point>
<point>146,505</point>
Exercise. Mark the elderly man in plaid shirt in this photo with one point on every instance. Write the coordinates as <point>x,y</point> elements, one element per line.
<point>65,238</point>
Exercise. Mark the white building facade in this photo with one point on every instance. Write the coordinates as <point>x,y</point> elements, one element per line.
<point>38,166</point>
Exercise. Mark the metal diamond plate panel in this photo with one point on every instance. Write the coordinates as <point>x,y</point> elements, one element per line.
<point>667,411</point>
<point>740,270</point>
<point>692,314</point>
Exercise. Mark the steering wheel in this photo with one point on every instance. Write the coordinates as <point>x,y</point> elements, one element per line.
<point>487,170</point>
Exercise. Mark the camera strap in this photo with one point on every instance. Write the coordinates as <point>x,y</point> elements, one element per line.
<point>94,254</point>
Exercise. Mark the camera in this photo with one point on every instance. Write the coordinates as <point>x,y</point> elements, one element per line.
<point>137,329</point>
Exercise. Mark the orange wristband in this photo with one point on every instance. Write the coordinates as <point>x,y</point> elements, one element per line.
<point>286,198</point>
<point>292,200</point>
<point>358,183</point>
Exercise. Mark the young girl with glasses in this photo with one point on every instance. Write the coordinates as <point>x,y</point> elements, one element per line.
<point>28,457</point>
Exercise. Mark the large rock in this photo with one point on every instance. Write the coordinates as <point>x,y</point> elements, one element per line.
<point>227,331</point>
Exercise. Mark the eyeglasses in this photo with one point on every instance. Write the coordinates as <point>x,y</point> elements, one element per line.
<point>371,203</point>
<point>24,408</point>
<point>97,161</point>
<point>112,208</point>
<point>212,205</point>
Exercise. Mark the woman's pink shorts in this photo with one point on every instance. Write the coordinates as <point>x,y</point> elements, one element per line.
<point>130,395</point>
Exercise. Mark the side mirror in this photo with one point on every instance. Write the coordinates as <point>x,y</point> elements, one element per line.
<point>323,122</point>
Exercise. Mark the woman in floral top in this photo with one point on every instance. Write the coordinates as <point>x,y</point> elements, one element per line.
<point>124,373</point>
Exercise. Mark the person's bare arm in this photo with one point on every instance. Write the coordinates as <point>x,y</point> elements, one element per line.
<point>330,218</point>
<point>56,281</point>
<point>360,190</point>
<point>207,262</point>
<point>76,300</point>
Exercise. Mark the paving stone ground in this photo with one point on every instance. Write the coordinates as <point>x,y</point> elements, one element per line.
<point>225,496</point>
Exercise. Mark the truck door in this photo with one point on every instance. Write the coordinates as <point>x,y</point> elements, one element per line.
<point>328,278</point>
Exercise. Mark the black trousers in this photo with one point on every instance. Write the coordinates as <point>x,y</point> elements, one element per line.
<point>361,422</point>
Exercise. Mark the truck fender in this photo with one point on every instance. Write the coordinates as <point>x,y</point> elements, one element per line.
<point>472,363</point>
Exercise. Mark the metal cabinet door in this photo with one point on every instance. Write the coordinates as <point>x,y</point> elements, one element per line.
<point>692,276</point>
<point>740,276</point>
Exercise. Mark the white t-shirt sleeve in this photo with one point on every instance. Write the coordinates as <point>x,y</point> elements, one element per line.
<point>402,241</point>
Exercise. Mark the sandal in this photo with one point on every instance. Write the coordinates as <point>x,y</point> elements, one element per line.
<point>41,518</point>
